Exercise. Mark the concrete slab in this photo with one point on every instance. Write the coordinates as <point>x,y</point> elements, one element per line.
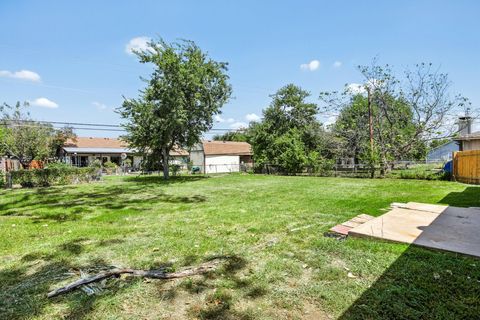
<point>433,226</point>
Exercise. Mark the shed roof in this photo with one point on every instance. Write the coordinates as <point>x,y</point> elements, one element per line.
<point>226,148</point>
<point>471,136</point>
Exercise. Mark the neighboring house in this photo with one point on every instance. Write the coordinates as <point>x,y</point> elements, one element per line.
<point>84,150</point>
<point>469,141</point>
<point>443,153</point>
<point>222,156</point>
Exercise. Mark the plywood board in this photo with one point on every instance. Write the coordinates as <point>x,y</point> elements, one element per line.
<point>440,227</point>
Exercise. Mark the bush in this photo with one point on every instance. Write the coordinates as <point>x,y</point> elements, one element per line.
<point>54,174</point>
<point>109,167</point>
<point>174,169</point>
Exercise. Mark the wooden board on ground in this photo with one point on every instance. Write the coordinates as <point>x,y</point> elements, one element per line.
<point>440,227</point>
<point>346,226</point>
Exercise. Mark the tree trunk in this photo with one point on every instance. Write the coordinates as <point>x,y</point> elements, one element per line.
<point>166,169</point>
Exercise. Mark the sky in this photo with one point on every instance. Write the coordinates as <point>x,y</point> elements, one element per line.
<point>71,60</point>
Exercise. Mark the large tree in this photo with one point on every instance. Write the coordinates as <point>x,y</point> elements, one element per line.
<point>27,139</point>
<point>404,113</point>
<point>289,134</point>
<point>184,92</point>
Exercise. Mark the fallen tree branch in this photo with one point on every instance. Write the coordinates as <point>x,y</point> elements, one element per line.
<point>155,274</point>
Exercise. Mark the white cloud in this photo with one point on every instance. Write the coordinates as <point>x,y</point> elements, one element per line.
<point>218,118</point>
<point>99,106</point>
<point>337,64</point>
<point>311,66</point>
<point>356,88</point>
<point>22,74</point>
<point>252,117</point>
<point>137,44</point>
<point>44,103</point>
<point>238,125</point>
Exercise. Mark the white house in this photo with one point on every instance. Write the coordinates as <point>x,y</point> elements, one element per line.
<point>221,156</point>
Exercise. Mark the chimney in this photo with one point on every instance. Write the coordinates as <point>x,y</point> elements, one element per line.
<point>465,125</point>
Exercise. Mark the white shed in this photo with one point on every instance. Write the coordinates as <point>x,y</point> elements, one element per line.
<point>222,156</point>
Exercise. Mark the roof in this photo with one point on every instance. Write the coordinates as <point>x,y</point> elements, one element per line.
<point>97,150</point>
<point>471,136</point>
<point>226,148</point>
<point>90,142</point>
<point>106,145</point>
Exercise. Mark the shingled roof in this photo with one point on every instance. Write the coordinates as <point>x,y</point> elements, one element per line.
<point>471,136</point>
<point>227,148</point>
<point>92,144</point>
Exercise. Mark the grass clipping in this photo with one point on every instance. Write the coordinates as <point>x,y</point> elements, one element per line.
<point>154,274</point>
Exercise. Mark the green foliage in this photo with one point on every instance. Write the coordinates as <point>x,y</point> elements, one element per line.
<point>97,164</point>
<point>2,180</point>
<point>175,169</point>
<point>407,112</point>
<point>421,172</point>
<point>239,136</point>
<point>289,135</point>
<point>110,167</point>
<point>184,92</point>
<point>290,151</point>
<point>27,139</point>
<point>53,175</point>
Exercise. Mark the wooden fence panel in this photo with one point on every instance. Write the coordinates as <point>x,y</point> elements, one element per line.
<point>466,166</point>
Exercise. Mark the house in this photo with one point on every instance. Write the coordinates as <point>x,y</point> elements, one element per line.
<point>465,141</point>
<point>222,156</point>
<point>84,150</point>
<point>443,153</point>
<point>469,141</point>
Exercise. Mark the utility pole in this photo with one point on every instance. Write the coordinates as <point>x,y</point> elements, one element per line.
<point>370,125</point>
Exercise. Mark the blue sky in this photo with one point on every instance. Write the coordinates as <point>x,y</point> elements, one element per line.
<point>69,59</point>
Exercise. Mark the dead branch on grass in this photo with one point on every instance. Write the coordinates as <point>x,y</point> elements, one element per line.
<point>154,274</point>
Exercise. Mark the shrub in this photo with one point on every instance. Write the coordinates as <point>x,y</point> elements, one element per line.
<point>54,174</point>
<point>109,167</point>
<point>174,169</point>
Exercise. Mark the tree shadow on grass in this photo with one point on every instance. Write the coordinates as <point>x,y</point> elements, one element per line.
<point>158,180</point>
<point>470,197</point>
<point>58,205</point>
<point>422,284</point>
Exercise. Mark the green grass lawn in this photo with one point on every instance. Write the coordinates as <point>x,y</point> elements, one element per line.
<point>280,265</point>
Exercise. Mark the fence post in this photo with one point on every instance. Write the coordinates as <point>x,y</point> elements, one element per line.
<point>8,182</point>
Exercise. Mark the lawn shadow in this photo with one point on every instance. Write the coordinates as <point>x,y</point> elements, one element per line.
<point>61,204</point>
<point>422,284</point>
<point>469,197</point>
<point>159,180</point>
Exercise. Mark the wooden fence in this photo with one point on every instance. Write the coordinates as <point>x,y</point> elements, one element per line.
<point>466,166</point>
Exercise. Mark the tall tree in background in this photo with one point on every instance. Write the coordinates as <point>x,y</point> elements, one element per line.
<point>407,112</point>
<point>184,92</point>
<point>27,139</point>
<point>289,135</point>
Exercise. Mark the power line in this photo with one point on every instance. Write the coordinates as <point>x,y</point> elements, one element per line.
<point>85,126</point>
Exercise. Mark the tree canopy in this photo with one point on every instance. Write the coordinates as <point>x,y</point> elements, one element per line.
<point>184,92</point>
<point>28,139</point>
<point>408,112</point>
<point>289,136</point>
